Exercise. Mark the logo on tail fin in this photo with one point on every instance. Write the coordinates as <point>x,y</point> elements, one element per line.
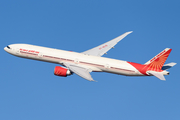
<point>156,63</point>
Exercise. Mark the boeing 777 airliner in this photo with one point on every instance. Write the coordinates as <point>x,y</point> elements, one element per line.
<point>89,61</point>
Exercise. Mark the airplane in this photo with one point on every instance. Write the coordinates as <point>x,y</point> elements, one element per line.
<point>91,60</point>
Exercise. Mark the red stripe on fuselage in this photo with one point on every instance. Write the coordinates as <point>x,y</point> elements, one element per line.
<point>141,68</point>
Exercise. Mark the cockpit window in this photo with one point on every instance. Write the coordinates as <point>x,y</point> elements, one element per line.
<point>8,47</point>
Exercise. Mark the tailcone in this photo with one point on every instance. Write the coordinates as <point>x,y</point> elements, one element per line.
<point>165,72</point>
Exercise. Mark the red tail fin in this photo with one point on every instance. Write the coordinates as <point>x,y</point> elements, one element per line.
<point>156,63</point>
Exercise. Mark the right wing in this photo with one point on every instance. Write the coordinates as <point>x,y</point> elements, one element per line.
<point>102,49</point>
<point>81,71</point>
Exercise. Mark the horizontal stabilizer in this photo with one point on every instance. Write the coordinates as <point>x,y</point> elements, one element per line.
<point>169,65</point>
<point>157,74</point>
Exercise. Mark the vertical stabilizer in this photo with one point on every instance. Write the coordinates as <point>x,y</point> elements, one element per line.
<point>157,62</point>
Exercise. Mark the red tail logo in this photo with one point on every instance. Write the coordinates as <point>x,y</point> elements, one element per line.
<point>156,63</point>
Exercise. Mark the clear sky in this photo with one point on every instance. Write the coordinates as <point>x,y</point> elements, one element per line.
<point>30,91</point>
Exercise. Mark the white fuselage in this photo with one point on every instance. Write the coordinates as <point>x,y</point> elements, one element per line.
<point>95,63</point>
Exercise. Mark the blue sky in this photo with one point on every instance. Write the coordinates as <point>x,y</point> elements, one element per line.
<point>29,90</point>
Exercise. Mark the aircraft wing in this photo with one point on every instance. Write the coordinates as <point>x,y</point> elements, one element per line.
<point>103,48</point>
<point>81,71</point>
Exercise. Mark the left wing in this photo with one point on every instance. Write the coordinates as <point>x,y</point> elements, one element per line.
<point>81,71</point>
<point>102,49</point>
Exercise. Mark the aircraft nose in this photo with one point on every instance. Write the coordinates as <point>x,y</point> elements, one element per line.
<point>5,48</point>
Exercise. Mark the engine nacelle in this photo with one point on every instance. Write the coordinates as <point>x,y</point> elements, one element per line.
<point>60,71</point>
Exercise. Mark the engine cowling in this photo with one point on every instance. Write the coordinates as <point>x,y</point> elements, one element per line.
<point>60,71</point>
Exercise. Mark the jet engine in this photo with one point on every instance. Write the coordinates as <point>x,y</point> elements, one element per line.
<point>61,71</point>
